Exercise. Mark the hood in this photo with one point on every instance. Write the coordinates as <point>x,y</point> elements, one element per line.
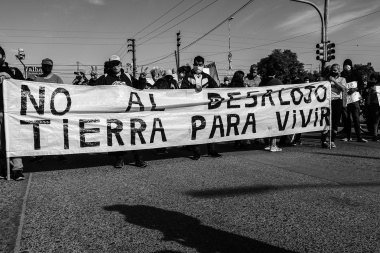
<point>347,62</point>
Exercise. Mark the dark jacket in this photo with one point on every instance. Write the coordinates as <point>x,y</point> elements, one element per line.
<point>123,79</point>
<point>188,81</point>
<point>236,83</point>
<point>353,75</point>
<point>15,73</point>
<point>166,82</point>
<point>270,81</point>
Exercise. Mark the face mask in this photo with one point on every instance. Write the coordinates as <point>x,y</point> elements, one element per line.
<point>334,74</point>
<point>198,69</point>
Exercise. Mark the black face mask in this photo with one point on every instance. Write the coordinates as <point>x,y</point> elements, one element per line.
<point>334,74</point>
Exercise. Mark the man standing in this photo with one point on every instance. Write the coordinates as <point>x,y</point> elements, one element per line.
<point>7,72</point>
<point>199,80</point>
<point>353,109</point>
<point>47,76</point>
<point>252,79</point>
<point>116,76</point>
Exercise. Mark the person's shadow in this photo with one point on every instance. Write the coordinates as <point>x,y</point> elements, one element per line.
<point>189,231</point>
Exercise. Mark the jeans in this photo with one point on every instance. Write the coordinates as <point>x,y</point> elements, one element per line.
<point>336,111</point>
<point>119,154</point>
<point>353,110</point>
<point>16,162</point>
<point>374,109</point>
<point>210,149</point>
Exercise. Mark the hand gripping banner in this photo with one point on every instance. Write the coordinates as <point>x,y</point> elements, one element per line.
<point>51,119</point>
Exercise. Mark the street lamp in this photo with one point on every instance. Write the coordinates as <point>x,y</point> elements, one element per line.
<point>230,72</point>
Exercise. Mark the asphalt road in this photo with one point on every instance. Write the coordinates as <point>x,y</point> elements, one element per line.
<point>304,199</point>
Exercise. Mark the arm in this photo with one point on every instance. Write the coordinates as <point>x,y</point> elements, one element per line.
<point>339,85</point>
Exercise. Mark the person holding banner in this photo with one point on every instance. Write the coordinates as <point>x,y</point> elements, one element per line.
<point>271,80</point>
<point>7,72</point>
<point>116,76</point>
<point>338,101</point>
<point>199,80</point>
<point>48,76</point>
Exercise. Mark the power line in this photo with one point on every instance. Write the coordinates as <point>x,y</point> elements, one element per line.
<point>157,19</point>
<point>178,23</point>
<point>170,20</point>
<point>240,9</point>
<point>150,25</point>
<point>300,35</point>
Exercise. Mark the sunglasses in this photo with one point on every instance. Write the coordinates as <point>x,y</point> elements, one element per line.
<point>114,63</point>
<point>198,64</point>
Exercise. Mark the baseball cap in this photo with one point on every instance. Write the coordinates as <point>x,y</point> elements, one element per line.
<point>114,58</point>
<point>47,61</point>
<point>168,72</point>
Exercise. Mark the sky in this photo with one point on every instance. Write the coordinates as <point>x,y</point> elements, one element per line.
<point>86,33</point>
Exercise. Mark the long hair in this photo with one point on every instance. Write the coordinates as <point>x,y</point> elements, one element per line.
<point>237,79</point>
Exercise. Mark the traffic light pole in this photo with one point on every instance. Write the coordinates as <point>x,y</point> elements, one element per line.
<point>324,26</point>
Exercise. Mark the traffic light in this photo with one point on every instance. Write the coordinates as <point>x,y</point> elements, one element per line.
<point>131,44</point>
<point>320,52</point>
<point>330,48</point>
<point>178,39</point>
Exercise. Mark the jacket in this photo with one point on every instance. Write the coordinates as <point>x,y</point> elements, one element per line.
<point>122,79</point>
<point>189,82</point>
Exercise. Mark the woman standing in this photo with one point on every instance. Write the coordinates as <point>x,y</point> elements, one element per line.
<point>338,101</point>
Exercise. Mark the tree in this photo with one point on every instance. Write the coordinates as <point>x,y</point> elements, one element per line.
<point>365,70</point>
<point>282,62</point>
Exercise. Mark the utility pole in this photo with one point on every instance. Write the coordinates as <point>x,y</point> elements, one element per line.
<point>178,45</point>
<point>176,59</point>
<point>133,50</point>
<point>77,66</point>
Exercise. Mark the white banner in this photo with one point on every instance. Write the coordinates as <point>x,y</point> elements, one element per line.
<point>50,119</point>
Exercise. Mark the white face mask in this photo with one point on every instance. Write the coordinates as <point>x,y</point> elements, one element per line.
<point>347,67</point>
<point>198,69</point>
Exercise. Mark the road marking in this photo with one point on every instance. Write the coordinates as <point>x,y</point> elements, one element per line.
<point>22,217</point>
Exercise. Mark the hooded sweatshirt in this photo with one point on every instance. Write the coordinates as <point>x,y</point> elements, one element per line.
<point>352,75</point>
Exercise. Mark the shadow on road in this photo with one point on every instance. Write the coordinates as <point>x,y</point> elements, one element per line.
<point>258,189</point>
<point>188,231</point>
<point>349,155</point>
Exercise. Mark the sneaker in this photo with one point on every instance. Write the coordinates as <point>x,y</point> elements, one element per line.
<point>141,163</point>
<point>362,140</point>
<point>18,176</point>
<point>63,158</point>
<point>333,145</point>
<point>215,155</point>
<point>267,148</point>
<point>3,176</point>
<point>37,159</point>
<point>119,163</point>
<point>347,139</point>
<point>377,139</point>
<point>196,156</point>
<point>325,144</point>
<point>296,143</point>
<point>275,149</point>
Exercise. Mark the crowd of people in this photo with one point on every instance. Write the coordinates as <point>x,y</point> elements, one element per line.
<point>195,78</point>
